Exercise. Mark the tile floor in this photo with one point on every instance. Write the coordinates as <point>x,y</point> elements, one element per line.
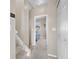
<point>37,53</point>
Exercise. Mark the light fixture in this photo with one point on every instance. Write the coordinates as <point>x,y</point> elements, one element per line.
<point>40,2</point>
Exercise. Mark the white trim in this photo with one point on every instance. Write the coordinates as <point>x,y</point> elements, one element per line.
<point>50,55</point>
<point>34,30</point>
<point>46,27</point>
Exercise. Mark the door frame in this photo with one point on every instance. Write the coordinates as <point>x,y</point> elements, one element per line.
<point>46,29</point>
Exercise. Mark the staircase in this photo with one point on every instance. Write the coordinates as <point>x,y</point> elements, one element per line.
<point>21,48</point>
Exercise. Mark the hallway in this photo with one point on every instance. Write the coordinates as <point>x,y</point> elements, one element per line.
<point>37,53</point>
<point>40,29</point>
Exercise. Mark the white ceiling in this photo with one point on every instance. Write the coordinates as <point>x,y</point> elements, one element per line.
<point>35,3</point>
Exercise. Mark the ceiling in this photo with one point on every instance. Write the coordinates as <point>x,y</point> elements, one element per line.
<point>35,3</point>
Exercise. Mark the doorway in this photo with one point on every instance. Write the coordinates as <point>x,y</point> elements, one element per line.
<point>40,31</point>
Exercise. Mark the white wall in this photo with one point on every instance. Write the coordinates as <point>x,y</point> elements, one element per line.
<point>22,21</point>
<point>52,47</point>
<point>12,31</point>
<point>12,6</point>
<point>12,38</point>
<point>62,31</point>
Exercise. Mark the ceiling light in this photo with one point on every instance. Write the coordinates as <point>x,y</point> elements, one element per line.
<point>40,2</point>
